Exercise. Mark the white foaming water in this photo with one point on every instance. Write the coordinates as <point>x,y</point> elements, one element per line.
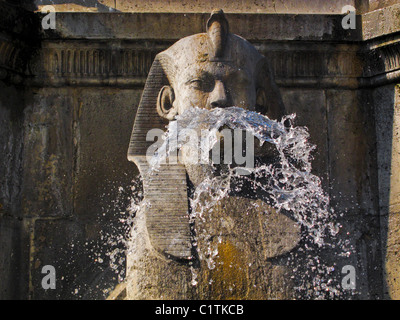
<point>289,184</point>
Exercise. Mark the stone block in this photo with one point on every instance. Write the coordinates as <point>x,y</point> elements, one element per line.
<point>11,132</point>
<point>310,109</point>
<point>74,251</point>
<point>10,249</point>
<point>252,27</point>
<point>254,6</point>
<point>383,98</point>
<point>392,258</point>
<point>48,154</point>
<point>103,175</point>
<point>381,22</point>
<point>350,139</point>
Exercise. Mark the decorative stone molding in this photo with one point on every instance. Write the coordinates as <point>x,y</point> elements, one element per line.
<point>127,64</point>
<point>381,61</point>
<point>83,63</point>
<point>98,62</point>
<point>11,58</point>
<point>314,64</point>
<point>94,56</point>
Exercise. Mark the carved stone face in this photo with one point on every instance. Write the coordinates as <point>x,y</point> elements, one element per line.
<point>207,70</point>
<point>214,84</point>
<point>216,69</point>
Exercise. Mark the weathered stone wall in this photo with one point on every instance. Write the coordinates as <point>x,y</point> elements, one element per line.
<point>11,134</point>
<point>74,167</point>
<point>386,101</point>
<point>65,133</point>
<point>205,6</point>
<point>17,44</point>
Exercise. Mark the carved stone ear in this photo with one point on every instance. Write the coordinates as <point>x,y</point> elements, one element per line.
<point>261,101</point>
<point>165,100</point>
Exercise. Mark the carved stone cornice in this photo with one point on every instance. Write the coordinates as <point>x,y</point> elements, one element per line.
<point>118,49</point>
<point>126,64</point>
<point>314,64</point>
<point>12,61</point>
<point>174,26</point>
<point>86,63</point>
<point>381,59</point>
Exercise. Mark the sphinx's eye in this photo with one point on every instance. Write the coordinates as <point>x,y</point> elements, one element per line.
<point>196,84</point>
<point>203,83</point>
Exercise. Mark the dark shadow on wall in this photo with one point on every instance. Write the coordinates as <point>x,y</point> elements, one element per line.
<point>384,100</point>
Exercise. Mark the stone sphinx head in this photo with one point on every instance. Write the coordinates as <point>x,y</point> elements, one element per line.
<point>216,69</point>
<point>206,70</point>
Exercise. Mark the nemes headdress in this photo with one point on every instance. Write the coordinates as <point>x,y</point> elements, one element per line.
<point>167,219</point>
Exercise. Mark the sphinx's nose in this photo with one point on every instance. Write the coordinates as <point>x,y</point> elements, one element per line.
<point>218,97</point>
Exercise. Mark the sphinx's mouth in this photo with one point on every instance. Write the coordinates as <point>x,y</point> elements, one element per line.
<point>243,146</point>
